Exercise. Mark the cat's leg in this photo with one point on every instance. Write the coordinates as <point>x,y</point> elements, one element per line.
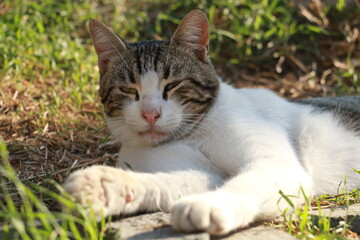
<point>111,191</point>
<point>115,191</point>
<point>252,195</point>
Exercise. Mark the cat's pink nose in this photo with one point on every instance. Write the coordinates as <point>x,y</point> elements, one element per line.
<point>151,117</point>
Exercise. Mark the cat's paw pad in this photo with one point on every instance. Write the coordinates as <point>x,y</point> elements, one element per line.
<point>205,213</point>
<point>104,189</point>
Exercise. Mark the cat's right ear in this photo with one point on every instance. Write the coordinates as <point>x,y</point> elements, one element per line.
<point>106,43</point>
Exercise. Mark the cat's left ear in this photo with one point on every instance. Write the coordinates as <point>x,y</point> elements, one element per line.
<point>193,32</point>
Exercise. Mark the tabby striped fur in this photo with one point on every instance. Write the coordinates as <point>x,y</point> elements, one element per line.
<point>195,83</point>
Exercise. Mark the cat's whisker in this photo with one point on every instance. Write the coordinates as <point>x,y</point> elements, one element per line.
<point>191,131</point>
<point>198,123</point>
<point>197,127</point>
<point>194,120</point>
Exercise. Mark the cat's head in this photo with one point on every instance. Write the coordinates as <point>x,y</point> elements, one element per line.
<point>156,91</point>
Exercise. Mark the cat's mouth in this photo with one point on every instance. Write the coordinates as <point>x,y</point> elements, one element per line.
<point>153,134</point>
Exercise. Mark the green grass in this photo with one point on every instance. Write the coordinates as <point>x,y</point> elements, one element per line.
<point>301,221</point>
<point>50,111</point>
<point>33,220</point>
<point>298,221</point>
<point>49,41</point>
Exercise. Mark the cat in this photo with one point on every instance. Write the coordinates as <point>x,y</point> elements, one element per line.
<point>213,156</point>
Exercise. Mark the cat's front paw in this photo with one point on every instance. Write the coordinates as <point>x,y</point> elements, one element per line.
<point>105,190</point>
<point>211,212</point>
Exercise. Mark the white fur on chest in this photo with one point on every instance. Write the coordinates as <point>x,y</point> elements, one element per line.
<point>241,125</point>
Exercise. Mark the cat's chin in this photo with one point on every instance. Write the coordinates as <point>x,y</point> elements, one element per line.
<point>153,134</point>
<point>153,137</point>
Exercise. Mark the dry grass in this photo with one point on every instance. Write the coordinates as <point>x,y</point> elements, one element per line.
<point>50,147</point>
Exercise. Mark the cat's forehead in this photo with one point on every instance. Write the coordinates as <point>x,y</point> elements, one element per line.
<point>147,55</point>
<point>150,48</point>
<point>152,62</point>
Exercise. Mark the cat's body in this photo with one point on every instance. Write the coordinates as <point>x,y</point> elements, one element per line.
<point>213,155</point>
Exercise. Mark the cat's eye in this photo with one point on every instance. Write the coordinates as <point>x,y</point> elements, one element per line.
<point>168,87</point>
<point>128,90</point>
<point>131,91</point>
<point>171,86</point>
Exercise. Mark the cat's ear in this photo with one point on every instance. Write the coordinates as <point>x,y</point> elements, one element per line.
<point>106,43</point>
<point>193,32</point>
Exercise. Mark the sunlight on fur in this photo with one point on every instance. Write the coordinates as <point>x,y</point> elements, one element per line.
<point>213,156</point>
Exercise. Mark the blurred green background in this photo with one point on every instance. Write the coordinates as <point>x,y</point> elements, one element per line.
<point>261,38</point>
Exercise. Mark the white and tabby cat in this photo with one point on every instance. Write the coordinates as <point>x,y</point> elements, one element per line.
<point>214,156</point>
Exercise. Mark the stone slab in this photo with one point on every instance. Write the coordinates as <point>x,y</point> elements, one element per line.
<point>157,226</point>
<point>339,213</point>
